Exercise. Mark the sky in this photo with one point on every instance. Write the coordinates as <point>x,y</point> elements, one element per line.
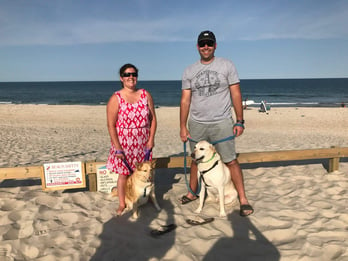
<point>88,40</point>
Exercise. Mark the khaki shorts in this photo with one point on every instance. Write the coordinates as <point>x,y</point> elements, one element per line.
<point>212,132</point>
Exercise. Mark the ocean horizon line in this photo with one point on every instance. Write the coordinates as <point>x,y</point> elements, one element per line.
<point>246,79</point>
<point>254,105</point>
<point>327,92</point>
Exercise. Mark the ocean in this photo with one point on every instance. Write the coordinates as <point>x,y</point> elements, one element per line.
<point>276,92</point>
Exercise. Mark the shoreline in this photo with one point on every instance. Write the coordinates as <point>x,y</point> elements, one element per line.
<point>255,105</point>
<point>34,134</point>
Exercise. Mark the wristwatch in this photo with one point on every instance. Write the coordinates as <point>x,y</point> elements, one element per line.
<point>241,121</point>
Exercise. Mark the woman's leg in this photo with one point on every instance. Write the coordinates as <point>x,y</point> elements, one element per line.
<point>121,190</point>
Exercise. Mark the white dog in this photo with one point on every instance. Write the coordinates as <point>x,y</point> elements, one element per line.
<point>213,175</point>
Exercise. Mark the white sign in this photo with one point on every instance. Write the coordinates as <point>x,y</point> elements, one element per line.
<point>106,180</point>
<point>63,175</point>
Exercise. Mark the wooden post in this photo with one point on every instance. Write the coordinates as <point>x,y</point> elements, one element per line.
<point>91,172</point>
<point>92,181</point>
<point>334,164</point>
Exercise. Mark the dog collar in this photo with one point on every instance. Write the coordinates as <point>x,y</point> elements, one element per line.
<point>210,158</point>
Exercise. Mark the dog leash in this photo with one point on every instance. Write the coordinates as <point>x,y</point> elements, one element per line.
<point>185,172</point>
<point>222,140</point>
<point>147,158</point>
<point>147,154</point>
<point>125,162</point>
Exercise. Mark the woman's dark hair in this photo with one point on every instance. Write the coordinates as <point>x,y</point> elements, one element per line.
<point>126,66</point>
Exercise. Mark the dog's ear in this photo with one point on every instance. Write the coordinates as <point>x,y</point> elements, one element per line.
<point>212,148</point>
<point>153,164</point>
<point>138,165</point>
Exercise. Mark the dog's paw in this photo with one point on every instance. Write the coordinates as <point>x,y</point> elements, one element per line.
<point>223,214</point>
<point>198,210</point>
<point>135,215</point>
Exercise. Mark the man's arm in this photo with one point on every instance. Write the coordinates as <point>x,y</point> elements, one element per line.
<point>184,112</point>
<point>236,96</point>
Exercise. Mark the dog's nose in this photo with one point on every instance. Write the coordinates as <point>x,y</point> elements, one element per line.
<point>193,155</point>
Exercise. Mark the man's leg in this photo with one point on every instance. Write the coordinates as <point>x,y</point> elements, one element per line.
<point>193,180</point>
<point>193,185</point>
<point>197,130</point>
<point>237,179</point>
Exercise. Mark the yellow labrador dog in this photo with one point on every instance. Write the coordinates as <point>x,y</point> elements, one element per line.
<point>140,187</point>
<point>214,176</point>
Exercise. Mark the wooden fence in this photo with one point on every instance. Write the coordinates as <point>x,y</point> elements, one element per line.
<point>333,154</point>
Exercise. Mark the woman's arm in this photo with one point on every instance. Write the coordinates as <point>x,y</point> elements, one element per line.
<point>112,115</point>
<point>153,121</point>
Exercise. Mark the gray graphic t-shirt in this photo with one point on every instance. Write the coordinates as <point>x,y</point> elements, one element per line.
<point>209,84</point>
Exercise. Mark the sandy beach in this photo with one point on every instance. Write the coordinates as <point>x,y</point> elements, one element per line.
<point>300,210</point>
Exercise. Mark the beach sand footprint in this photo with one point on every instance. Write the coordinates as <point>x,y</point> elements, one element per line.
<point>68,219</point>
<point>48,201</point>
<point>11,204</point>
<point>82,200</point>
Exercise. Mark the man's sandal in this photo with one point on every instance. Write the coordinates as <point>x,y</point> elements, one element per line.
<point>184,200</point>
<point>246,210</point>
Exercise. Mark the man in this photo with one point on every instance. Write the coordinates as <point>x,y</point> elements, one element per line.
<point>207,89</point>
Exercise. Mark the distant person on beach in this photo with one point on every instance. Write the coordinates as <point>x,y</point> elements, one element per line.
<point>245,105</point>
<point>132,123</point>
<point>207,89</point>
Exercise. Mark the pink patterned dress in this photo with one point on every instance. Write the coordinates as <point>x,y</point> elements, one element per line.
<point>133,129</point>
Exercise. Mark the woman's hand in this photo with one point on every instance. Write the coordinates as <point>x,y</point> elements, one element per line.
<point>119,154</point>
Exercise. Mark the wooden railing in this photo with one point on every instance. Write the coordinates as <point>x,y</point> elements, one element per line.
<point>332,154</point>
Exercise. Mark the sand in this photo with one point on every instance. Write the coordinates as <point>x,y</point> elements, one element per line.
<point>300,210</point>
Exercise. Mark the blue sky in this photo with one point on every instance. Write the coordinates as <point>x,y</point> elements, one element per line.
<point>88,40</point>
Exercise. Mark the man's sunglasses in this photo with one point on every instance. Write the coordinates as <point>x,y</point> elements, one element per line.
<point>129,74</point>
<point>207,42</point>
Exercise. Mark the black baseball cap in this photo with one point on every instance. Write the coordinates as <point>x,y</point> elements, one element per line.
<point>206,35</point>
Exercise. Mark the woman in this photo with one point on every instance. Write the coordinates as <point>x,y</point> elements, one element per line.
<point>131,122</point>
